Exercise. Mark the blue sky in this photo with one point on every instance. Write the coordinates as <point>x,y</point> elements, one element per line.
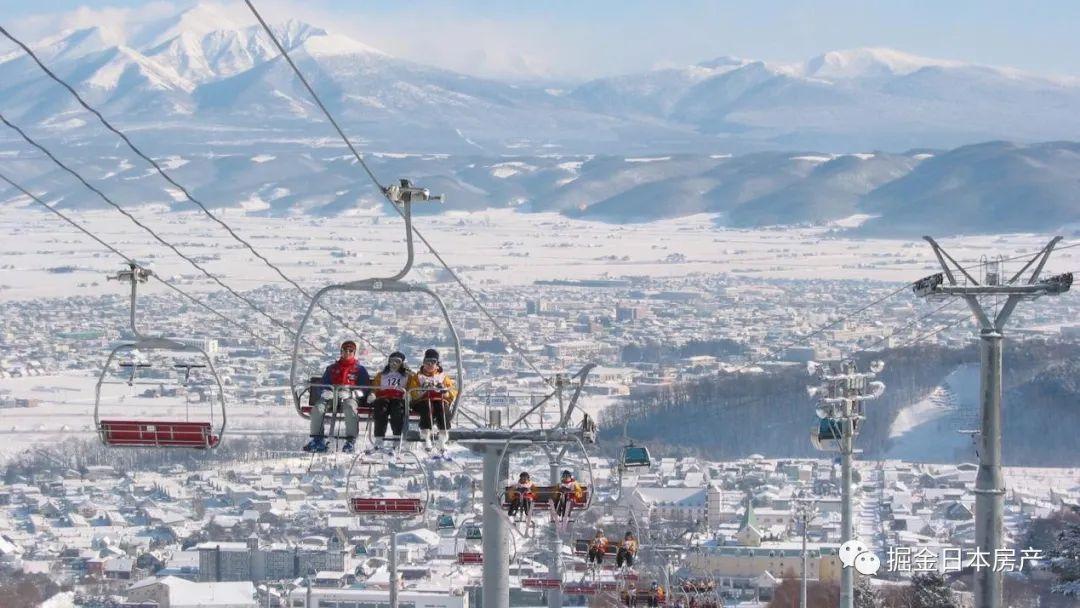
<point>580,39</point>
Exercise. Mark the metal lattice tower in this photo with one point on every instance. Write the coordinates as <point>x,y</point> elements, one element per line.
<point>989,482</point>
<point>842,391</point>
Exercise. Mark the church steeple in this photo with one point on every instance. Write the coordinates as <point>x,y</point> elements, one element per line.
<point>749,520</point>
<point>749,535</point>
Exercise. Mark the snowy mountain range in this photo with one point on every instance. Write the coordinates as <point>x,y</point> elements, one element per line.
<point>209,89</point>
<point>203,64</point>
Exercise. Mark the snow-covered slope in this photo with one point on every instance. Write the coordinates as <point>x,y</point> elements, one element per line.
<point>929,431</point>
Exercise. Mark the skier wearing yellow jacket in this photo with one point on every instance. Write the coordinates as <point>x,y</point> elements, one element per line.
<point>432,392</point>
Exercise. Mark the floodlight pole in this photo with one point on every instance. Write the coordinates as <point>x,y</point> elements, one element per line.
<point>989,482</point>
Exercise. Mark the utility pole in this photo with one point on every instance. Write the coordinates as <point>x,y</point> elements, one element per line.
<point>805,511</point>
<point>842,391</point>
<point>989,482</point>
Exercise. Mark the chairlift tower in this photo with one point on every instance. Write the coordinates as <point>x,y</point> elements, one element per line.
<point>989,482</point>
<point>841,394</point>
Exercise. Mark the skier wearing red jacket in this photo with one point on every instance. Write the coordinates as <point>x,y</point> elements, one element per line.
<point>339,375</point>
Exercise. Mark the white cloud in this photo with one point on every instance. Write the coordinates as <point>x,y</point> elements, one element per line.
<point>41,25</point>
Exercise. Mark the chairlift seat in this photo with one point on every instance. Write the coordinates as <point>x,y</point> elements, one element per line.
<point>541,583</point>
<point>386,506</point>
<point>470,558</point>
<point>365,412</point>
<point>581,546</point>
<point>445,522</point>
<point>642,597</point>
<point>157,434</point>
<point>473,533</point>
<point>636,456</point>
<point>545,497</point>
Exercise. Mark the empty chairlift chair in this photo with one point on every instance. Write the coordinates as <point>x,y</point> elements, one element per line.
<point>167,395</point>
<point>364,499</point>
<point>152,398</point>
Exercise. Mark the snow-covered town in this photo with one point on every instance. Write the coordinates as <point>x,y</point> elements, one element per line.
<point>275,530</point>
<point>333,304</point>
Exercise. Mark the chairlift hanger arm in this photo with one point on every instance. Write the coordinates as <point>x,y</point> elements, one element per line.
<point>582,376</point>
<point>134,275</point>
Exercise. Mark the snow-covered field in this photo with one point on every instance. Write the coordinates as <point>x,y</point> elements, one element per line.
<point>44,257</point>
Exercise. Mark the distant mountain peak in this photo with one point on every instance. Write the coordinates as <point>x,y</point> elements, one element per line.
<point>294,32</point>
<point>327,44</point>
<point>870,62</point>
<point>723,61</point>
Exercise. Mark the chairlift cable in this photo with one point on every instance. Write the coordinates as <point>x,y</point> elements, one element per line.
<point>149,230</point>
<point>911,324</point>
<point>920,338</point>
<point>803,338</point>
<point>172,181</point>
<point>382,189</point>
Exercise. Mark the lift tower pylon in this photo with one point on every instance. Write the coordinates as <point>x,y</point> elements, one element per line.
<point>989,482</point>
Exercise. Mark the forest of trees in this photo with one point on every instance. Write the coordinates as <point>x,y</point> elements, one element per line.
<point>734,415</point>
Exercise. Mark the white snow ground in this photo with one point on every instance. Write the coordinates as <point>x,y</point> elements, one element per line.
<point>32,242</point>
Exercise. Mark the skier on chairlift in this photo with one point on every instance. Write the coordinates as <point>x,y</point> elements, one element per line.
<point>568,491</point>
<point>523,496</point>
<point>339,375</point>
<point>597,548</point>
<point>389,403</point>
<point>656,595</point>
<point>627,550</point>
<point>432,392</point>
